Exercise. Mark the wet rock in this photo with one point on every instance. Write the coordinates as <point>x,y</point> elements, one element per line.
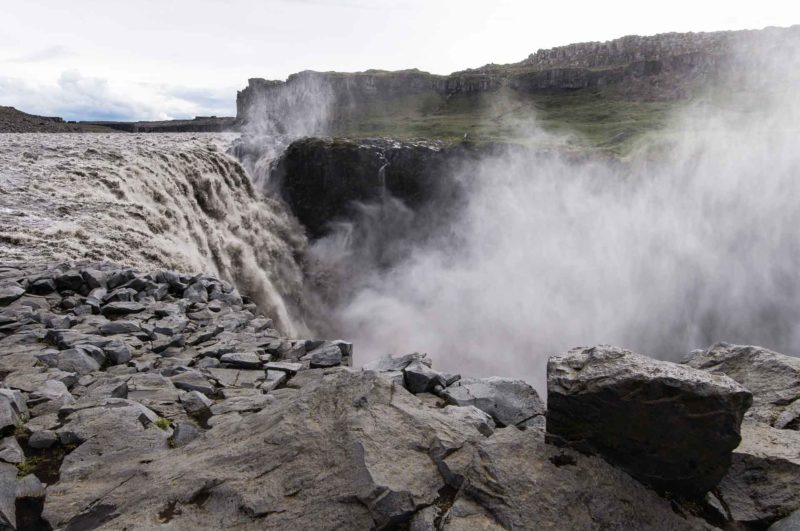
<point>509,402</point>
<point>9,293</point>
<point>245,360</point>
<point>69,281</point>
<point>419,378</point>
<point>668,425</point>
<point>773,378</point>
<point>42,286</point>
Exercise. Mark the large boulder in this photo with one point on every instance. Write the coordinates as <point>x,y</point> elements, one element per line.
<point>670,426</point>
<point>773,378</point>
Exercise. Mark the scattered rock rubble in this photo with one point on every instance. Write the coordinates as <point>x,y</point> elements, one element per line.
<point>137,400</point>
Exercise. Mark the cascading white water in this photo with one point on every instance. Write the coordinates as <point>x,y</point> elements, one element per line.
<point>150,201</point>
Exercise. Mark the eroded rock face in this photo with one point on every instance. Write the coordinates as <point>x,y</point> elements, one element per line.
<point>670,426</point>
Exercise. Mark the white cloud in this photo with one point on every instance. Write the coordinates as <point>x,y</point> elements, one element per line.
<point>74,96</point>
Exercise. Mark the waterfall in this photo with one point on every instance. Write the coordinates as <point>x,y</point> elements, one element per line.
<point>174,201</point>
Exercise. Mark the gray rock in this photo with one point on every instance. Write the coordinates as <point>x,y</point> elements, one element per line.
<point>237,378</point>
<point>184,433</point>
<point>482,421</point>
<point>509,402</point>
<point>78,361</point>
<point>240,404</point>
<point>106,387</point>
<point>42,286</point>
<point>119,277</point>
<point>196,403</point>
<point>10,451</point>
<point>207,363</point>
<point>11,410</point>
<point>763,483</point>
<point>117,352</point>
<point>668,425</point>
<point>162,343</point>
<point>398,363</point>
<point>283,366</point>
<point>113,309</point>
<point>196,292</point>
<point>274,379</point>
<point>8,496</point>
<point>326,355</point>
<point>119,327</point>
<point>94,351</point>
<point>193,381</point>
<point>9,293</point>
<point>790,523</point>
<point>53,390</point>
<point>69,281</point>
<point>94,278</point>
<point>42,439</point>
<point>152,388</point>
<point>774,379</point>
<point>30,487</point>
<point>419,378</point>
<point>245,360</point>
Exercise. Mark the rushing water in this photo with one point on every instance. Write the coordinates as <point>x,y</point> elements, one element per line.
<point>150,201</point>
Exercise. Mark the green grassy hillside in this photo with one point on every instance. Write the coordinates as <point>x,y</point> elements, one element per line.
<point>602,120</point>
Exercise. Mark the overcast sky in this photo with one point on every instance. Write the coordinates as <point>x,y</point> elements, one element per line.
<point>157,59</point>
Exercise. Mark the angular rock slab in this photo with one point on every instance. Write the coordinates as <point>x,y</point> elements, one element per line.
<point>773,378</point>
<point>509,402</point>
<point>668,425</point>
<point>763,483</point>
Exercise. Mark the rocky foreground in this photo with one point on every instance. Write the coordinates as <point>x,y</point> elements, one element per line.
<point>135,400</point>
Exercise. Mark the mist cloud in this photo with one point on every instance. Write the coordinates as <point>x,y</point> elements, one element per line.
<point>690,240</point>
